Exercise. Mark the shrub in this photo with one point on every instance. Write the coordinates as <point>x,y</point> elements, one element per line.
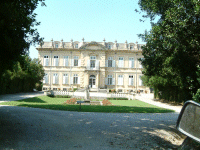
<point>62,96</point>
<point>196,97</point>
<point>118,98</point>
<point>106,102</point>
<point>75,89</point>
<point>71,101</point>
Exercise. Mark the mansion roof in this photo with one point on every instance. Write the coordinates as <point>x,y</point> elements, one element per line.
<point>93,45</point>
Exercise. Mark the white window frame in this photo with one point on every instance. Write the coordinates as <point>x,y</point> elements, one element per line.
<point>120,80</point>
<point>45,79</point>
<point>55,78</point>
<point>55,60</point>
<point>66,61</point>
<point>131,62</point>
<point>76,61</point>
<point>131,81</point>
<point>140,81</point>
<point>121,62</point>
<point>76,79</point>
<point>76,46</point>
<point>92,61</point>
<point>110,59</point>
<point>56,45</point>
<point>46,60</point>
<point>65,78</point>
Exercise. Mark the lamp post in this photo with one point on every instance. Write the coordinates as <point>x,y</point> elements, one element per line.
<point>70,71</point>
<point>136,71</point>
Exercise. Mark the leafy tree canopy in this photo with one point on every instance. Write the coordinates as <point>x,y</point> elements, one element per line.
<point>17,22</point>
<point>25,75</point>
<point>172,50</point>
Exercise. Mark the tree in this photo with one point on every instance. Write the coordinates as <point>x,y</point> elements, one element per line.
<point>17,22</point>
<point>23,77</point>
<point>172,50</point>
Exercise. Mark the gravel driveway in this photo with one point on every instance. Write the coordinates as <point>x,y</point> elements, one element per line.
<point>34,128</point>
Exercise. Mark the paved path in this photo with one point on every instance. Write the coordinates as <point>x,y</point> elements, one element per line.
<point>149,98</point>
<point>19,96</point>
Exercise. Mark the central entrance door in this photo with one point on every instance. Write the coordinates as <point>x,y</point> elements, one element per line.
<point>92,81</point>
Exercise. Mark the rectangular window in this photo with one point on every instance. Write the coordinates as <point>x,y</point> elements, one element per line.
<point>55,78</point>
<point>131,80</point>
<point>66,61</point>
<point>76,46</point>
<point>55,89</point>
<point>131,62</point>
<point>76,60</point>
<point>45,79</point>
<point>56,45</point>
<point>110,60</point>
<point>120,80</point>
<point>75,80</point>
<point>44,89</point>
<point>55,60</point>
<point>92,61</point>
<point>121,62</point>
<point>65,78</point>
<point>46,60</point>
<point>131,47</point>
<point>110,79</point>
<point>64,89</point>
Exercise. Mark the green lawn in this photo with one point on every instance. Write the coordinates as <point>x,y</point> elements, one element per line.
<point>57,104</point>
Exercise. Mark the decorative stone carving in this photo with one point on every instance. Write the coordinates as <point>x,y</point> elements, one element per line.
<point>93,46</point>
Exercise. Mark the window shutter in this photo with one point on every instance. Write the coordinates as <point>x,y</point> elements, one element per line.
<point>130,64</point>
<point>122,63</point>
<point>140,81</point>
<point>57,61</point>
<point>88,64</point>
<point>72,61</point>
<point>113,63</point>
<point>78,80</point>
<point>54,79</point>
<point>45,60</point>
<point>57,79</point>
<point>106,81</point>
<point>97,64</point>
<point>106,63</point>
<point>122,81</point>
<point>71,80</point>
<point>54,62</point>
<point>130,80</point>
<point>64,81</point>
<point>46,78</point>
<point>79,62</point>
<point>113,81</point>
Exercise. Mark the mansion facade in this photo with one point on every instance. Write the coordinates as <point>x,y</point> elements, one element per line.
<point>99,65</point>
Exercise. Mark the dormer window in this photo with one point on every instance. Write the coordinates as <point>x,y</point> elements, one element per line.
<point>109,46</point>
<point>76,46</point>
<point>56,45</point>
<point>131,47</point>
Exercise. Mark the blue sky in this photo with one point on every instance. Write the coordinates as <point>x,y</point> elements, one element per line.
<point>92,19</point>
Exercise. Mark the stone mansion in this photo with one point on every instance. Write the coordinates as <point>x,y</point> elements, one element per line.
<point>99,65</point>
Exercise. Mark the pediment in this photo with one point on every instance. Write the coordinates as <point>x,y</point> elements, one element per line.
<point>93,46</point>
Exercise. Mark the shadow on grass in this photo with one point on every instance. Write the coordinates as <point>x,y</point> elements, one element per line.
<point>106,109</point>
<point>32,100</point>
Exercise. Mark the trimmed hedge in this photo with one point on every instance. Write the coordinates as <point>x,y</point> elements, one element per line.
<point>118,98</point>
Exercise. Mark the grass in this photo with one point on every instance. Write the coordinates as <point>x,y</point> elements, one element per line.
<point>57,104</point>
